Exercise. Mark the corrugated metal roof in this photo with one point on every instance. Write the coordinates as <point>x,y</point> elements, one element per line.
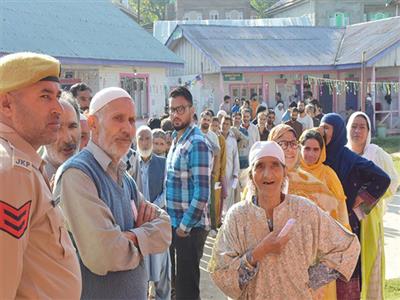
<point>82,29</point>
<point>296,46</point>
<point>265,46</point>
<point>163,29</point>
<point>281,4</point>
<point>371,37</point>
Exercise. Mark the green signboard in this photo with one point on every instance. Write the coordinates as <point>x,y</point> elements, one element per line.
<point>233,77</point>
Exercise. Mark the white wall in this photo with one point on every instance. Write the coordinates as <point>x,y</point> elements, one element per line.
<point>110,76</point>
<point>206,93</point>
<point>195,60</point>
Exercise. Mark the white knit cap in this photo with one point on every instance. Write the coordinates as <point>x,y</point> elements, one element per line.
<point>222,113</point>
<point>105,96</point>
<point>266,148</point>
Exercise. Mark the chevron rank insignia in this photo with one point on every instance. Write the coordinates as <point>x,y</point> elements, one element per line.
<point>13,220</point>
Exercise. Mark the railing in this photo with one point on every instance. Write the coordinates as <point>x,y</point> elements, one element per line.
<point>394,121</point>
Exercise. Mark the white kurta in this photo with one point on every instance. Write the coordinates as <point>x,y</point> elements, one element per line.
<point>254,134</point>
<point>231,171</point>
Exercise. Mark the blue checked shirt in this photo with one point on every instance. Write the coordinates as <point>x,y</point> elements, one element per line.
<point>188,180</point>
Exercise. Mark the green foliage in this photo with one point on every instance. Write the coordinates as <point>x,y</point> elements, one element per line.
<point>389,144</point>
<point>150,10</point>
<point>392,289</point>
<point>261,6</point>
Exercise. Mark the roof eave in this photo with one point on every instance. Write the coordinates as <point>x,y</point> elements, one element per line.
<point>113,62</point>
<point>373,60</point>
<point>277,68</point>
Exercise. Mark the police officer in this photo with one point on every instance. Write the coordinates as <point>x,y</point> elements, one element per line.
<point>37,257</point>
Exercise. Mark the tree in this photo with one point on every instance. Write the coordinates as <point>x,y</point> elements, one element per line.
<point>149,11</point>
<point>261,6</point>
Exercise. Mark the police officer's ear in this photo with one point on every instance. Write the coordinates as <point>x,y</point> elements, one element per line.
<point>6,104</point>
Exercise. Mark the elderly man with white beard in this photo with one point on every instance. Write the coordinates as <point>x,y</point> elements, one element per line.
<point>68,137</point>
<point>113,226</point>
<point>152,167</point>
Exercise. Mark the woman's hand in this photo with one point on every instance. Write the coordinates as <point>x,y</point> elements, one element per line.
<point>271,244</point>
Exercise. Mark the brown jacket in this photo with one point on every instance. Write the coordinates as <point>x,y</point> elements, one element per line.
<point>37,258</point>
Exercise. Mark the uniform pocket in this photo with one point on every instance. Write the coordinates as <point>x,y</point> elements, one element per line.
<point>66,242</point>
<point>59,239</point>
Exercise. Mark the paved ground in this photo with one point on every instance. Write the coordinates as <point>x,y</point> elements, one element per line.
<point>208,289</point>
<point>391,222</point>
<point>392,250</point>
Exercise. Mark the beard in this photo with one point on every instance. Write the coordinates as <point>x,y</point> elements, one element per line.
<point>145,153</point>
<point>112,147</point>
<point>301,111</point>
<point>205,126</point>
<point>57,156</point>
<point>182,126</point>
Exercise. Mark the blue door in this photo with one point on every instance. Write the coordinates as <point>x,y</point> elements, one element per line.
<point>326,98</point>
<point>352,98</point>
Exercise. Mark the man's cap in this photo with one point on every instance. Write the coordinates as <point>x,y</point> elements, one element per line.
<point>22,69</point>
<point>105,96</point>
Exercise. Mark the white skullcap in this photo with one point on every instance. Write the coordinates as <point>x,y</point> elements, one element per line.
<point>143,128</point>
<point>222,113</point>
<point>105,96</point>
<point>266,148</point>
<point>82,117</point>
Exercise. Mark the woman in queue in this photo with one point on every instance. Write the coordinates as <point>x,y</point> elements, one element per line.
<point>363,183</point>
<point>275,245</point>
<point>371,232</point>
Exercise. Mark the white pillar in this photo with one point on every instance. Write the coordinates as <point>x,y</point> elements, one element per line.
<point>373,93</point>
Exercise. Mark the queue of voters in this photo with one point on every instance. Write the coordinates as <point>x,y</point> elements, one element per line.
<point>93,206</point>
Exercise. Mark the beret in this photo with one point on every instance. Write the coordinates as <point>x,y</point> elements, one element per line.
<point>22,69</point>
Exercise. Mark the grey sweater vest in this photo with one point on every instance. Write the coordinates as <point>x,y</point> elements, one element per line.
<point>156,176</point>
<point>130,284</point>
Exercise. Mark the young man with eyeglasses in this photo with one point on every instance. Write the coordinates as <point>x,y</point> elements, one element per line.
<point>187,192</point>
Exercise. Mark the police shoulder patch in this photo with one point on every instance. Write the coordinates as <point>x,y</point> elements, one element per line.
<point>23,163</point>
<point>14,221</point>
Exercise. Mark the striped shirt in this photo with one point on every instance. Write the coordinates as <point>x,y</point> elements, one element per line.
<point>189,164</point>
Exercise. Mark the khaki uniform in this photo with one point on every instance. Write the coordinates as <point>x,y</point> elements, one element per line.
<point>37,258</point>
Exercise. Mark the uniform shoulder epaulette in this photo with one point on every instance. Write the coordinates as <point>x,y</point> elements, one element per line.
<point>20,160</point>
<point>13,157</point>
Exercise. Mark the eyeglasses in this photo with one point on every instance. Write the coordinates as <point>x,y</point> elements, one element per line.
<point>180,110</point>
<point>285,144</point>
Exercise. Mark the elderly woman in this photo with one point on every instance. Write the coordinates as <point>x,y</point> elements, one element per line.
<point>301,183</point>
<point>363,183</point>
<point>371,235</point>
<point>255,257</point>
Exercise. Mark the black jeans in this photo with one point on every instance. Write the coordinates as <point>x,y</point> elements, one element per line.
<point>188,252</point>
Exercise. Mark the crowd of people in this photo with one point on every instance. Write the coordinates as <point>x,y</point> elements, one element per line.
<point>93,208</point>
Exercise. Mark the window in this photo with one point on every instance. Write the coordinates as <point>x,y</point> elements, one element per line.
<point>234,15</point>
<point>214,15</point>
<point>339,19</point>
<point>192,15</point>
<point>379,16</point>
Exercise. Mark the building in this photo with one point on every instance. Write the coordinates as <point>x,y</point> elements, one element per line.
<point>96,43</point>
<point>337,13</point>
<point>210,10</point>
<point>241,61</point>
<point>162,29</point>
